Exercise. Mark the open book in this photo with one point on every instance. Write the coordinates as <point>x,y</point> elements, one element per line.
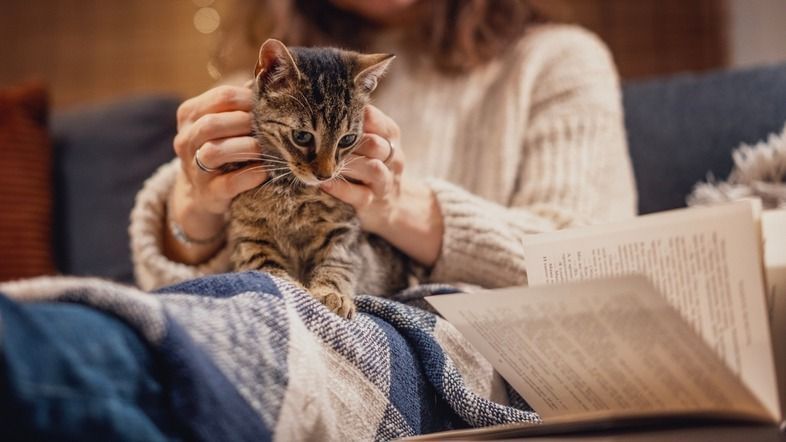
<point>665,315</point>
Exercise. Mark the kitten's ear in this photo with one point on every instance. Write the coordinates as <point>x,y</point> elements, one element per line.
<point>275,64</point>
<point>368,69</point>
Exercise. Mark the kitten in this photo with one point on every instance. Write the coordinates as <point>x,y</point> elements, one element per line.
<point>308,119</point>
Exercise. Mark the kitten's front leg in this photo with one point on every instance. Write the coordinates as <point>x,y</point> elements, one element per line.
<point>333,283</point>
<point>261,254</point>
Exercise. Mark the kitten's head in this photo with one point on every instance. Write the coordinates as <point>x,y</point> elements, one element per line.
<point>309,108</point>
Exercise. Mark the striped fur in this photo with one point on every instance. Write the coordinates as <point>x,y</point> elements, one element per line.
<point>288,226</point>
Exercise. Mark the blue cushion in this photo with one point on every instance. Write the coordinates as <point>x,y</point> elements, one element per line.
<point>682,127</point>
<point>103,154</point>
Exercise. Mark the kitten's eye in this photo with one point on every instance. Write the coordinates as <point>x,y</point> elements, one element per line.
<point>302,138</point>
<point>347,140</point>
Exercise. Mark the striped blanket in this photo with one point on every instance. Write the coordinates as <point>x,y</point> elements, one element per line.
<point>257,359</point>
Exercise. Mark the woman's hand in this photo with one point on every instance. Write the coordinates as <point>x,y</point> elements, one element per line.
<point>403,211</point>
<point>216,126</point>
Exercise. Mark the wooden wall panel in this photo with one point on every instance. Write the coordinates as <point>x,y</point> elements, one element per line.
<point>90,50</point>
<point>653,37</point>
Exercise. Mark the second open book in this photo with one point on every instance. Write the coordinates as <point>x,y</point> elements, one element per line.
<point>664,315</point>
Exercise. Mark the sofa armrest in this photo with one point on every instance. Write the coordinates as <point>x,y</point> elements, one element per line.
<point>681,128</point>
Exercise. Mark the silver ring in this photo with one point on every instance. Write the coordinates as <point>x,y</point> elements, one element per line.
<point>390,152</point>
<point>201,165</point>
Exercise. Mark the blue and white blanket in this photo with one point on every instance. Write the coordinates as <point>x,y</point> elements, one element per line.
<point>258,358</point>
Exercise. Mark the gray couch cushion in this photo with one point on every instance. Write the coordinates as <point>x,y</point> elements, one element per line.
<point>683,127</point>
<point>103,154</point>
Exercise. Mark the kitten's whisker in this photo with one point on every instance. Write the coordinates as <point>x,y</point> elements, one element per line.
<point>259,154</point>
<point>254,157</point>
<point>262,169</point>
<point>345,166</point>
<point>250,154</point>
<point>264,163</point>
<point>276,179</point>
<point>269,182</point>
<point>268,160</point>
<point>269,165</point>
<point>363,141</point>
<point>250,160</point>
<point>291,180</point>
<point>267,155</point>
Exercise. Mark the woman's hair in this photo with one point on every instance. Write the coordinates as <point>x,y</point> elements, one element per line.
<point>456,35</point>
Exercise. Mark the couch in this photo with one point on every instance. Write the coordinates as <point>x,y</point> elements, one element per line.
<point>679,129</point>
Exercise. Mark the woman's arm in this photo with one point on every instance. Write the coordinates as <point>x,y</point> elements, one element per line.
<point>153,268</point>
<point>575,170</point>
<point>178,220</point>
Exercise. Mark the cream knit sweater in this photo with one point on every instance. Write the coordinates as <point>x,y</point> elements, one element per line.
<point>532,142</point>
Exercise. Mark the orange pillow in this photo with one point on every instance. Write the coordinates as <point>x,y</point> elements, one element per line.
<point>25,183</point>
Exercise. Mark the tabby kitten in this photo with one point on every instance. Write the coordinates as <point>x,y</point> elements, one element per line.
<point>308,118</point>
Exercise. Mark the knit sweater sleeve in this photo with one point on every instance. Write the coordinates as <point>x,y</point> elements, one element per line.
<point>148,220</point>
<point>574,169</point>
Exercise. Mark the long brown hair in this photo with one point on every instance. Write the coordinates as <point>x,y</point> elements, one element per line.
<point>456,35</point>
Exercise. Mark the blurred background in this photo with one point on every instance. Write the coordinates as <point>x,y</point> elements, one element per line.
<point>94,50</point>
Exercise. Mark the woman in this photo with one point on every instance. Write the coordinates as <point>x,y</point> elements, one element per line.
<point>509,127</point>
<point>489,126</point>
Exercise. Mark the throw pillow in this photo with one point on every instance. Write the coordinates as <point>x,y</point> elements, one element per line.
<point>25,183</point>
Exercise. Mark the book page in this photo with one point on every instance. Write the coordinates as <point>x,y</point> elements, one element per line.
<point>773,226</point>
<point>706,261</point>
<point>603,348</point>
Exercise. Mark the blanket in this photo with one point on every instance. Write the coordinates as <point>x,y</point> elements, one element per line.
<point>252,357</point>
<point>759,172</point>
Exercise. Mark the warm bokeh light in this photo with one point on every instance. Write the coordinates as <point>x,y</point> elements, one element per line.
<point>213,70</point>
<point>206,20</point>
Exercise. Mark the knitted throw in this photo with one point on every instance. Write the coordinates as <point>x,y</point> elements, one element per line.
<point>255,358</point>
<point>759,171</point>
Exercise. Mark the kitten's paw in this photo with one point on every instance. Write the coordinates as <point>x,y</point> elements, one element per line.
<point>339,304</point>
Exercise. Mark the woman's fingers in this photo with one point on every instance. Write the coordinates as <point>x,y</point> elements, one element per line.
<point>371,172</point>
<point>375,168</point>
<point>356,195</point>
<point>373,146</point>
<point>218,125</point>
<point>227,186</point>
<point>219,99</point>
<point>377,122</point>
<point>215,126</point>
<point>382,135</point>
<point>207,129</point>
<point>215,153</point>
<point>376,147</point>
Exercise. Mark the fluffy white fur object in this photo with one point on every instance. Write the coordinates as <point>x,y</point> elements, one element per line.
<point>759,171</point>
